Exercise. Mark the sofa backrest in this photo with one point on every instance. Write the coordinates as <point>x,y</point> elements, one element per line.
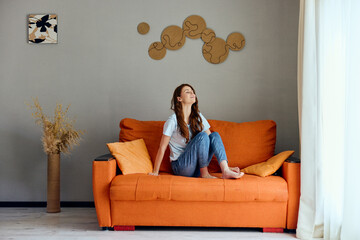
<point>245,143</point>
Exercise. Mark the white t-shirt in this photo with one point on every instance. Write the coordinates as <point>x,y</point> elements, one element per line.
<point>177,142</point>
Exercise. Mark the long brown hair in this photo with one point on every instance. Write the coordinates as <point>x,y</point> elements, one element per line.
<point>194,119</point>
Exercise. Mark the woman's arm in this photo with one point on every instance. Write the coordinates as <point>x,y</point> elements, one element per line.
<point>208,131</point>
<point>160,154</point>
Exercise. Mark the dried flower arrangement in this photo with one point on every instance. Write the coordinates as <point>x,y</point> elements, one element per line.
<point>59,134</point>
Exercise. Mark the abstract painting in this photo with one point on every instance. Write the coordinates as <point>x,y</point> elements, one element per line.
<point>42,28</point>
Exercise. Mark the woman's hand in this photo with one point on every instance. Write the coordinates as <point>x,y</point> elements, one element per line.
<point>154,173</point>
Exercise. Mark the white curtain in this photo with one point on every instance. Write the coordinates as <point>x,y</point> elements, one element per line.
<point>329,117</point>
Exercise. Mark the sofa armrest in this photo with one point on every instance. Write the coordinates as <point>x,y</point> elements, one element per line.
<point>105,157</point>
<point>291,173</point>
<point>104,170</point>
<point>293,160</point>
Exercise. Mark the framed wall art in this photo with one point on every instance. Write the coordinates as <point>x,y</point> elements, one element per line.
<point>42,28</point>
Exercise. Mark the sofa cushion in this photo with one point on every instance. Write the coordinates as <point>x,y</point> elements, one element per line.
<point>151,132</point>
<point>270,166</point>
<point>131,157</point>
<point>245,143</point>
<point>142,187</point>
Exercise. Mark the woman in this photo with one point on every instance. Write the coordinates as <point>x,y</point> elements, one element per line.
<point>192,145</point>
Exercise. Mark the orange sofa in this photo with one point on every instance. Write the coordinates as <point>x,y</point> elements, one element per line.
<point>271,203</point>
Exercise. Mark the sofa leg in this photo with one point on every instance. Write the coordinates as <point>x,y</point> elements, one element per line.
<point>107,229</point>
<point>124,228</point>
<point>273,230</point>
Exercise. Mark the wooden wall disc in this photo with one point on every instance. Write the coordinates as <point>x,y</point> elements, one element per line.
<point>193,26</point>
<point>208,35</point>
<point>143,28</point>
<point>173,37</point>
<point>236,41</point>
<point>216,51</point>
<point>157,50</point>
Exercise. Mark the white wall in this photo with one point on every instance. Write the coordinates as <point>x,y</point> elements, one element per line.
<point>101,67</point>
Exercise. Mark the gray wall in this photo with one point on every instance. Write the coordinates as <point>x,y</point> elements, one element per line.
<point>100,66</point>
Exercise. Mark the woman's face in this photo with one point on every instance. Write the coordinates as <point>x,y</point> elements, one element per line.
<point>187,96</point>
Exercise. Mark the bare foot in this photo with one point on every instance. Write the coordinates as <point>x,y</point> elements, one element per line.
<point>231,174</point>
<point>235,169</point>
<point>208,176</point>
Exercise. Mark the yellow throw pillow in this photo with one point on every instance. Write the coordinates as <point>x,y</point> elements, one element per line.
<point>132,156</point>
<point>268,167</point>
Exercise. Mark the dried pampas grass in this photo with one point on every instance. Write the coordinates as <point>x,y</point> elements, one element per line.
<point>59,134</point>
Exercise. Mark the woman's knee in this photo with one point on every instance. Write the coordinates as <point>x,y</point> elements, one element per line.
<point>214,135</point>
<point>203,137</point>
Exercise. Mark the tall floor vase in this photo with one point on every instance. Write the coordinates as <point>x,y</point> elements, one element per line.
<point>53,183</point>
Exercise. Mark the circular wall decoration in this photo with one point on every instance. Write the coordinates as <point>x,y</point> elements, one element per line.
<point>157,50</point>
<point>143,28</point>
<point>216,51</point>
<point>208,35</point>
<point>173,37</point>
<point>236,41</point>
<point>193,26</point>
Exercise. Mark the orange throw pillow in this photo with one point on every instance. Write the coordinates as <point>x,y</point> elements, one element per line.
<point>131,157</point>
<point>268,167</point>
<point>151,132</point>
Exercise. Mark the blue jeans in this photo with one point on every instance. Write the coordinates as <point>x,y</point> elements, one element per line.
<point>198,154</point>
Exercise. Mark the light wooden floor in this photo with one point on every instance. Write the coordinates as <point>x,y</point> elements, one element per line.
<point>81,223</point>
